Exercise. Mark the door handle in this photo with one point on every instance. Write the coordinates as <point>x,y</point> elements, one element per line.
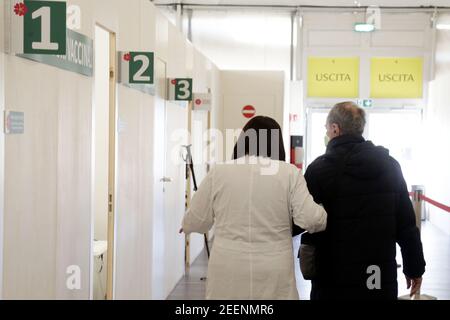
<point>166,179</point>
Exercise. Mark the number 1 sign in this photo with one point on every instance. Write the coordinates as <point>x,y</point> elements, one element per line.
<point>44,27</point>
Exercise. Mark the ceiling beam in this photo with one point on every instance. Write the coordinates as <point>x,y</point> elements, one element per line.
<point>200,6</point>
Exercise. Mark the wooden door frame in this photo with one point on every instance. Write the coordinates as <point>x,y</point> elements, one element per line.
<point>112,114</point>
<point>111,166</point>
<point>187,248</point>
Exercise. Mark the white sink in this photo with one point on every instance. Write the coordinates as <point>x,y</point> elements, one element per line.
<point>100,247</point>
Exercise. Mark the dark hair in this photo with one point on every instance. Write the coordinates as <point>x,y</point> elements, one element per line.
<point>267,140</point>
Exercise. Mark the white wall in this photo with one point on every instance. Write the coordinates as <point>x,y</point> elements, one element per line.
<point>248,40</point>
<point>2,166</point>
<point>437,129</point>
<point>2,144</point>
<point>47,179</point>
<point>48,169</point>
<point>265,90</point>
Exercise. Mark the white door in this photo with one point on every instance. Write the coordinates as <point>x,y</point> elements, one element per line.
<point>174,193</point>
<point>316,131</point>
<point>158,272</point>
<point>400,132</point>
<point>169,189</point>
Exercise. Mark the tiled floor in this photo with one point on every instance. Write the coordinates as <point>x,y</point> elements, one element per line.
<point>191,287</point>
<point>436,280</point>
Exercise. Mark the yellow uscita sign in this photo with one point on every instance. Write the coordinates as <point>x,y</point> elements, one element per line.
<point>333,77</point>
<point>397,78</point>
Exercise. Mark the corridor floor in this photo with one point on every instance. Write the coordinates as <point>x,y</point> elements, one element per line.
<point>436,279</point>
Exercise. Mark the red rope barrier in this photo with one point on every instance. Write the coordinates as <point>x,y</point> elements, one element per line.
<point>435,203</point>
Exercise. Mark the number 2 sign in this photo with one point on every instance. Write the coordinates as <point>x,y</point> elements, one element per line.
<point>44,27</point>
<point>141,68</point>
<point>137,67</point>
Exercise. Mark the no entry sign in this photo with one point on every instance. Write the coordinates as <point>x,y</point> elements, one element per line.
<point>202,101</point>
<point>249,111</point>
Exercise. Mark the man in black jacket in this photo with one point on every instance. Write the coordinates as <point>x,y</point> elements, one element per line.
<point>369,210</point>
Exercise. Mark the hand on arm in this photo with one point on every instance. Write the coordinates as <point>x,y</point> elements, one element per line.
<point>306,213</point>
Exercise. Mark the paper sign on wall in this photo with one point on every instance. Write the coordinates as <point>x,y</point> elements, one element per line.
<point>397,78</point>
<point>41,27</point>
<point>333,77</point>
<point>202,102</point>
<point>14,122</point>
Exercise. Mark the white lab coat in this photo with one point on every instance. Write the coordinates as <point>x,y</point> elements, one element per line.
<point>252,255</point>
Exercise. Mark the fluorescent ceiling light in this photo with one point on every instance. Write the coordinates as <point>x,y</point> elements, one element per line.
<point>364,27</point>
<point>443,26</point>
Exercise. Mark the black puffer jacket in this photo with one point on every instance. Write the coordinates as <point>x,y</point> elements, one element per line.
<point>369,211</point>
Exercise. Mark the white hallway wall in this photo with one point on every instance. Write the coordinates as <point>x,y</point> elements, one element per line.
<point>437,148</point>
<point>2,141</point>
<point>47,208</point>
<point>265,90</point>
<point>249,40</point>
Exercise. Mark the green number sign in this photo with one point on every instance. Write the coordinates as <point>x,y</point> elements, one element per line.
<point>141,68</point>
<point>45,28</point>
<point>183,90</point>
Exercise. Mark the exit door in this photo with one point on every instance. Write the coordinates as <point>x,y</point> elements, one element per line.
<point>397,130</point>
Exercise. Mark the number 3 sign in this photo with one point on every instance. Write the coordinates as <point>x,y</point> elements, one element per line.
<point>44,27</point>
<point>137,67</point>
<point>180,89</point>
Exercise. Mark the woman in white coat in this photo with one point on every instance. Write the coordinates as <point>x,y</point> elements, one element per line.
<point>252,202</point>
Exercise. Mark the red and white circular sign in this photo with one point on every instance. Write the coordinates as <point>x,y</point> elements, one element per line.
<point>198,102</point>
<point>249,111</point>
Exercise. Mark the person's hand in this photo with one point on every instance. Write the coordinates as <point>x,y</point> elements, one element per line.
<point>414,285</point>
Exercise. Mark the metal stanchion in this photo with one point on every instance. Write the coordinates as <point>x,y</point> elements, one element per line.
<point>418,192</point>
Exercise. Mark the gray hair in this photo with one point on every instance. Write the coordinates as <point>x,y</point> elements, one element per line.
<point>350,118</point>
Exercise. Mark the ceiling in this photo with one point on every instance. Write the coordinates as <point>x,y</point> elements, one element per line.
<point>343,3</point>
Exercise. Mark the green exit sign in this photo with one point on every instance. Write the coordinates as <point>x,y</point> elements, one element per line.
<point>367,103</point>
